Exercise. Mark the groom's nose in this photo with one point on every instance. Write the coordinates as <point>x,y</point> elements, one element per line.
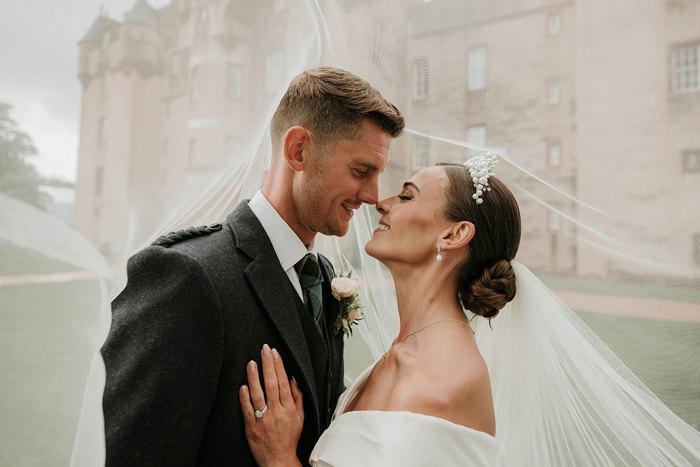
<point>369,191</point>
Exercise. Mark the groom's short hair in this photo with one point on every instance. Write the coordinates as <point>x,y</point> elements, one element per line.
<point>331,103</point>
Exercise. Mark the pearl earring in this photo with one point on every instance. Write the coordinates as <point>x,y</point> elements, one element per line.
<point>438,258</point>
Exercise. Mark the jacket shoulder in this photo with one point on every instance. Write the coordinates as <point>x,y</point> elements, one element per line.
<point>172,238</point>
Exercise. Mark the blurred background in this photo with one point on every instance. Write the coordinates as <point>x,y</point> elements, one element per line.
<point>124,120</point>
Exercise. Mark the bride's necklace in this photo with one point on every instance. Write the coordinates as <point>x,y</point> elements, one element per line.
<point>388,352</point>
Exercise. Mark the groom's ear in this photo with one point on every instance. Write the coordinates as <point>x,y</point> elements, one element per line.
<point>295,147</point>
<point>458,235</point>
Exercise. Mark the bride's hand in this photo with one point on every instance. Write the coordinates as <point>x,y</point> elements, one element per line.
<point>274,436</point>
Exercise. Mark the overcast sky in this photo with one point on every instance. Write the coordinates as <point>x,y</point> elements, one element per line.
<point>39,72</point>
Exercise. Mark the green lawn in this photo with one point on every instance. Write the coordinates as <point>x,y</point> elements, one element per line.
<point>19,261</point>
<point>663,354</point>
<point>627,289</point>
<point>45,327</point>
<point>43,338</point>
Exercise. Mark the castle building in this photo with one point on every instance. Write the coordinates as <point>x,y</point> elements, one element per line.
<point>168,98</point>
<point>576,92</point>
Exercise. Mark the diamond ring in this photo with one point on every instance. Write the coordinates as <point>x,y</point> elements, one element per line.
<point>259,413</point>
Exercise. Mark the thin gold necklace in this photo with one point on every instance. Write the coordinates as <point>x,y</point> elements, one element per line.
<point>388,352</point>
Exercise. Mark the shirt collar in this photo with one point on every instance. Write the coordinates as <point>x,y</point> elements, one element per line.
<point>287,245</point>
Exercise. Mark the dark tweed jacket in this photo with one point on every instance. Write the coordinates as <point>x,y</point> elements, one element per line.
<point>193,313</point>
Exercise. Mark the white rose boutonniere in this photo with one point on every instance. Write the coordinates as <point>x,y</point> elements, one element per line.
<point>345,289</point>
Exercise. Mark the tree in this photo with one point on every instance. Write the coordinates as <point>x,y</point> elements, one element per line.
<point>18,178</point>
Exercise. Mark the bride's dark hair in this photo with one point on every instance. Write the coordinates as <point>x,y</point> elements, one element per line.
<point>486,280</point>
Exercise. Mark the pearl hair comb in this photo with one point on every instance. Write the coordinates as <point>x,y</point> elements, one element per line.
<point>480,169</point>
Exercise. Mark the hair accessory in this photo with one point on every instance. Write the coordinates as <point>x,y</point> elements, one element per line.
<point>438,258</point>
<point>480,168</point>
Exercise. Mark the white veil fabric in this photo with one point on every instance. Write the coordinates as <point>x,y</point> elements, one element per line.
<point>563,398</point>
<point>592,107</point>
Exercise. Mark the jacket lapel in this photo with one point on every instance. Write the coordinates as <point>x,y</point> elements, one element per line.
<point>330,303</point>
<point>331,307</point>
<point>270,284</point>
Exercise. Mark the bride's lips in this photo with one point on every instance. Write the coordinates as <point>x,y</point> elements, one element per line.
<point>383,227</point>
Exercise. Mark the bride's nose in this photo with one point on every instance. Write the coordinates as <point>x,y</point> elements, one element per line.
<point>384,206</point>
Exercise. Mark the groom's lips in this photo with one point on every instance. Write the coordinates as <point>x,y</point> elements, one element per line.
<point>350,207</point>
<point>350,210</point>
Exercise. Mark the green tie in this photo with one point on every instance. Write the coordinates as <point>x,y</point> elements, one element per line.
<point>310,279</point>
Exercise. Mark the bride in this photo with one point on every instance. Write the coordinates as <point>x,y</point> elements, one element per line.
<point>449,238</point>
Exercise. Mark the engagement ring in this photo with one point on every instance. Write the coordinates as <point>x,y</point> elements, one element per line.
<point>259,413</point>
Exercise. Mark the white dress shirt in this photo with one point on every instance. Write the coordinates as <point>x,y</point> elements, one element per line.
<point>288,248</point>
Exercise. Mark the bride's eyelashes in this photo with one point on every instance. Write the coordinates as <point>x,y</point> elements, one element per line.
<point>405,197</point>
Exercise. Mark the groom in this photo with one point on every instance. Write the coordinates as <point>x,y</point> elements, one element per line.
<point>200,303</point>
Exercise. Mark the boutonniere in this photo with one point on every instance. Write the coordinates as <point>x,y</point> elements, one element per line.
<point>344,289</point>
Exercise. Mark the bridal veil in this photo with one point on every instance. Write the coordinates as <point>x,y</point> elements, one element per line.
<point>592,106</point>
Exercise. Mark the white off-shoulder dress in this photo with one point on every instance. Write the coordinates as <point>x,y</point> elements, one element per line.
<point>392,439</point>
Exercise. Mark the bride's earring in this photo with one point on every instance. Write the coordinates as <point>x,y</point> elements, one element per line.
<point>438,258</point>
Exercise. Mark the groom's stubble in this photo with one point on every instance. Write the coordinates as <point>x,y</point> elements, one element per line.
<point>314,202</point>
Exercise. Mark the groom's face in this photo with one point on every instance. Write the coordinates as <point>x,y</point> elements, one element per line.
<point>342,179</point>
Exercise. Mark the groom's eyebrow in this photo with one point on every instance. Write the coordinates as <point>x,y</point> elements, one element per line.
<point>407,184</point>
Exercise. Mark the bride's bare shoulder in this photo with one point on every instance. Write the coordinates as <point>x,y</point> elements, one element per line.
<point>443,381</point>
<point>455,387</point>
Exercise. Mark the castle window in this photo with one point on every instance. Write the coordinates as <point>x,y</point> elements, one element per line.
<point>175,64</point>
<point>685,68</point>
<point>554,155</point>
<point>476,135</point>
<point>553,24</point>
<point>554,93</point>
<point>235,78</point>
<point>98,180</point>
<point>691,160</point>
<point>421,152</point>
<point>196,85</point>
<point>477,69</point>
<point>106,39</point>
<point>274,71</point>
<point>553,220</point>
<point>102,137</point>
<point>202,21</point>
<point>420,79</point>
<point>191,153</point>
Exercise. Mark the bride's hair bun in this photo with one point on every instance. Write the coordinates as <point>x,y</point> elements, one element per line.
<point>490,292</point>
<point>486,281</point>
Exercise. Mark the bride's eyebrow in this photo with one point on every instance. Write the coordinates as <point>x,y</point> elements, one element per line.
<point>407,184</point>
